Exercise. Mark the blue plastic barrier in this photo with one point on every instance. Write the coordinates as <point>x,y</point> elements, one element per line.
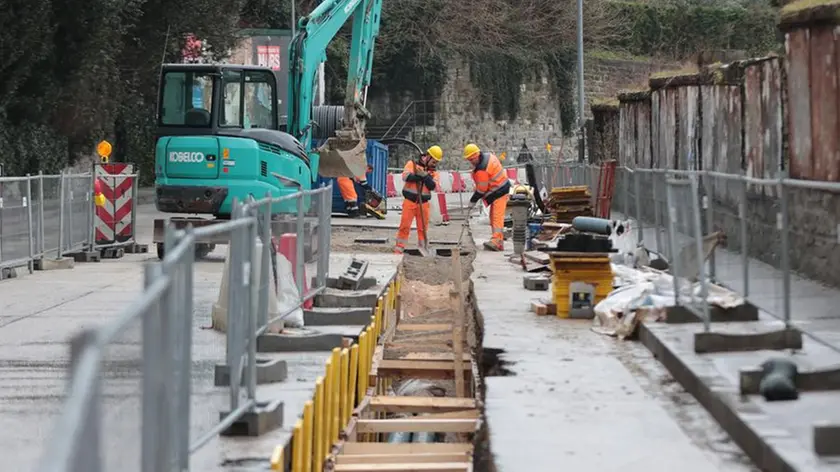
<point>377,157</point>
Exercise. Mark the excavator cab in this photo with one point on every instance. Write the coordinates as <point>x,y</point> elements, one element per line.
<point>219,138</point>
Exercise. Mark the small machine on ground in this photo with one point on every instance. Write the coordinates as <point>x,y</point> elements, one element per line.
<point>220,135</point>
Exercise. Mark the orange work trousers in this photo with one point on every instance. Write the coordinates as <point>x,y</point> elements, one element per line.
<point>411,212</point>
<point>347,189</point>
<point>497,220</point>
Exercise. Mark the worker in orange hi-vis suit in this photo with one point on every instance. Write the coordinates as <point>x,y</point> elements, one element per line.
<point>421,178</point>
<point>492,186</point>
<point>347,188</point>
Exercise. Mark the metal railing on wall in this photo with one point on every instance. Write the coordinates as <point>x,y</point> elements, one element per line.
<point>44,216</point>
<point>164,313</point>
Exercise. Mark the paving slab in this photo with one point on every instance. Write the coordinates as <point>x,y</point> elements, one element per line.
<point>581,401</point>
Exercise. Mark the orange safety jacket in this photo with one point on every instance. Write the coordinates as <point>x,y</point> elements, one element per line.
<point>416,185</point>
<point>491,181</point>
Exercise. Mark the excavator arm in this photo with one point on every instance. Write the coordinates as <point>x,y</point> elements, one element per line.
<point>344,154</point>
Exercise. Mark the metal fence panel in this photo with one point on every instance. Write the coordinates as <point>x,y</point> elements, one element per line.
<point>15,221</point>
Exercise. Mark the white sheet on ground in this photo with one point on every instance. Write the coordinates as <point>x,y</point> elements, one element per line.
<point>644,294</point>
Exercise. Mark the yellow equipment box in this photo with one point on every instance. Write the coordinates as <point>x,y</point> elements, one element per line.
<point>580,281</point>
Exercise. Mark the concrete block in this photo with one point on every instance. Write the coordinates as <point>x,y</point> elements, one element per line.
<point>827,439</point>
<point>87,256</point>
<point>365,283</point>
<point>681,314</point>
<point>112,253</point>
<point>135,248</point>
<point>8,273</point>
<point>447,252</point>
<point>536,283</point>
<point>336,316</point>
<point>346,300</point>
<point>349,280</point>
<point>808,381</point>
<point>294,343</point>
<point>264,418</point>
<point>54,264</point>
<point>729,342</point>
<point>268,371</point>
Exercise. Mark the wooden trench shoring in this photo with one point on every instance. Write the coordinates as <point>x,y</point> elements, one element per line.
<point>347,425</point>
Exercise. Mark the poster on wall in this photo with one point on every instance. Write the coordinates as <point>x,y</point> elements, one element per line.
<point>268,56</point>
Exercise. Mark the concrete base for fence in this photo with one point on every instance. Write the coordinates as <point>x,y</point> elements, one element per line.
<point>681,314</point>
<point>739,416</point>
<point>827,439</point>
<point>54,264</point>
<point>8,273</point>
<point>320,316</point>
<point>709,342</point>
<point>265,417</point>
<point>818,380</point>
<point>336,299</point>
<point>87,256</point>
<point>307,340</point>
<point>134,248</point>
<point>268,371</point>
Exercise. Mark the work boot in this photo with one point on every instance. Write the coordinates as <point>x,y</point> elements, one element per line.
<point>494,246</point>
<point>352,210</point>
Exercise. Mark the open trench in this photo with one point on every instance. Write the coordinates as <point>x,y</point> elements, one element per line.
<point>425,299</point>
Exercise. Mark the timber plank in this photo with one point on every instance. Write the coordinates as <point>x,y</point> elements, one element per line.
<point>404,404</point>
<point>417,425</point>
<point>356,448</point>
<point>416,467</point>
<point>403,458</point>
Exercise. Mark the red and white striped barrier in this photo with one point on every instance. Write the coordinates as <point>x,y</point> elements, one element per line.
<point>452,181</point>
<point>113,218</point>
<point>439,213</point>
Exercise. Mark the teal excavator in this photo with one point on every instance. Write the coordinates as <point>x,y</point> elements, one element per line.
<point>222,133</point>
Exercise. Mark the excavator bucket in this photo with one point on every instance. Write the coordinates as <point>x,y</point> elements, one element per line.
<point>343,157</point>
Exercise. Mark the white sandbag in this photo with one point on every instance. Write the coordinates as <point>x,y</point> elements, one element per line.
<point>287,296</point>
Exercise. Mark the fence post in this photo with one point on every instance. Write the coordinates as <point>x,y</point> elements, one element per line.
<point>60,214</point>
<point>324,236</point>
<point>255,283</point>
<point>698,238</point>
<point>234,353</point>
<point>266,268</point>
<point>41,233</point>
<point>657,217</point>
<point>300,266</point>
<point>88,456</point>
<point>134,198</point>
<point>708,206</point>
<point>672,217</point>
<point>742,214</point>
<point>637,191</point>
<point>155,441</point>
<point>92,219</point>
<point>31,263</point>
<point>183,351</point>
<point>785,262</point>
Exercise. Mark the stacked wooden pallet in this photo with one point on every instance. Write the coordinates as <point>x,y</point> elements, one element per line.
<point>565,203</point>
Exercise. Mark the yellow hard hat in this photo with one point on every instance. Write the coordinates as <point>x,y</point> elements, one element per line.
<point>436,152</point>
<point>470,150</point>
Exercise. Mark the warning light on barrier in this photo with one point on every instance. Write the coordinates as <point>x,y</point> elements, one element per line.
<point>104,150</point>
<point>98,196</point>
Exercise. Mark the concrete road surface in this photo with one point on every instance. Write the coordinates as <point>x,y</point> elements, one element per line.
<point>40,312</point>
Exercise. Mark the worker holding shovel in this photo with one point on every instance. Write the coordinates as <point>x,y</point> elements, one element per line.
<point>491,185</point>
<point>421,178</point>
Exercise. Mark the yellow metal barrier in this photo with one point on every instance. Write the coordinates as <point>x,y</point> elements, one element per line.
<point>306,459</point>
<point>319,436</point>
<point>337,393</point>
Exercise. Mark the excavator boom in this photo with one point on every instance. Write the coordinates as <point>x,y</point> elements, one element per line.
<point>343,155</point>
